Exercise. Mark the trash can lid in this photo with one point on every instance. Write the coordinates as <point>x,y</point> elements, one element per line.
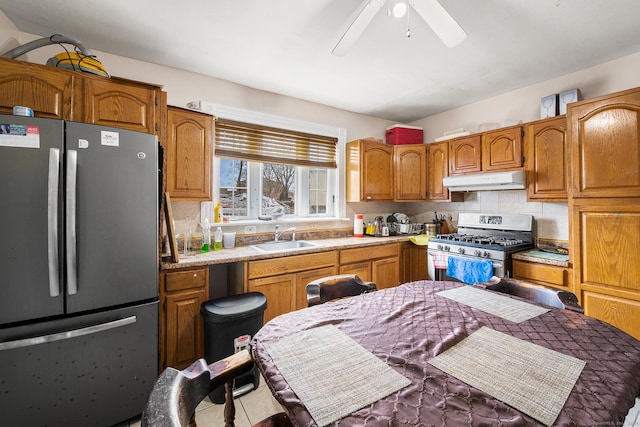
<point>233,307</point>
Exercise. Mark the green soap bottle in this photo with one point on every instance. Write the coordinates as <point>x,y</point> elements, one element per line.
<point>217,239</point>
<point>206,236</point>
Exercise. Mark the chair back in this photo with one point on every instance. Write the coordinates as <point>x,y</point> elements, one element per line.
<point>335,287</point>
<point>534,292</point>
<point>176,394</point>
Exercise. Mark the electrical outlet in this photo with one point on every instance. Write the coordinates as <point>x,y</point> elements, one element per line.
<point>249,229</point>
<point>449,216</point>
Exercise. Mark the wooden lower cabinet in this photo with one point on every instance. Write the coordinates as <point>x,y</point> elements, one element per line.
<point>543,274</point>
<point>280,292</point>
<point>621,312</point>
<point>181,328</point>
<point>379,264</point>
<point>283,280</point>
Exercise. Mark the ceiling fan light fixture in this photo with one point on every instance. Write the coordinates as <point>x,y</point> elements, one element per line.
<point>399,9</point>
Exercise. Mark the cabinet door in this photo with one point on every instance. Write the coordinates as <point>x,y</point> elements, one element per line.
<point>48,91</point>
<point>605,243</point>
<point>120,103</point>
<point>377,172</point>
<point>280,293</point>
<point>302,279</point>
<point>385,273</point>
<point>419,270</point>
<point>189,155</point>
<point>604,137</point>
<point>410,172</point>
<point>619,312</point>
<point>406,262</point>
<point>502,149</point>
<point>362,269</point>
<point>546,160</point>
<point>464,155</point>
<point>185,328</point>
<point>438,168</point>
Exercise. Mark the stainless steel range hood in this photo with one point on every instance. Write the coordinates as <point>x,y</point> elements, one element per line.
<point>508,180</point>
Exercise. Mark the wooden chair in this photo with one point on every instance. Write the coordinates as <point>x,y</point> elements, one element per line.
<point>533,292</point>
<point>335,287</point>
<point>176,394</point>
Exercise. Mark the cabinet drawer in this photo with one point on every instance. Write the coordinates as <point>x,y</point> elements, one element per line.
<point>291,264</point>
<point>548,274</point>
<point>185,279</point>
<point>348,256</point>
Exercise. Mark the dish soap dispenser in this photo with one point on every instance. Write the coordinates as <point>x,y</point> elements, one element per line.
<point>217,212</point>
<point>217,239</point>
<point>206,236</point>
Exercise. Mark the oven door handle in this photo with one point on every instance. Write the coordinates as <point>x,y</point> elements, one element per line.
<point>496,264</point>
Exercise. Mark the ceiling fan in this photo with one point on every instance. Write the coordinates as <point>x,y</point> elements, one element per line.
<point>445,27</point>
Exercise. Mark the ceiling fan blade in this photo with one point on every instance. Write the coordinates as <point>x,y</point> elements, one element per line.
<point>357,27</point>
<point>440,22</point>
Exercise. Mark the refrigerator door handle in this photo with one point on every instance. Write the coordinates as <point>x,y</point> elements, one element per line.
<point>94,329</point>
<point>72,174</point>
<point>53,181</point>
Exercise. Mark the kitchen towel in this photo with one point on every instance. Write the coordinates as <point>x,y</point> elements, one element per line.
<point>440,260</point>
<point>468,270</point>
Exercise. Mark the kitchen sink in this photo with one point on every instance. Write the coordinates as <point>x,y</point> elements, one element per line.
<point>285,245</point>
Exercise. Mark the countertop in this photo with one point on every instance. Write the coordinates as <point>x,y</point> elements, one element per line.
<point>536,255</point>
<point>247,253</point>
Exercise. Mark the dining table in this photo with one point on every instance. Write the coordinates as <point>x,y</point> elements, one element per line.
<point>439,353</point>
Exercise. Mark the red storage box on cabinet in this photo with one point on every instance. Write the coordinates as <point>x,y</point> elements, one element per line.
<point>402,134</point>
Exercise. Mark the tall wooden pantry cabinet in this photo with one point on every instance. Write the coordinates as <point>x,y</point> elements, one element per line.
<point>604,204</point>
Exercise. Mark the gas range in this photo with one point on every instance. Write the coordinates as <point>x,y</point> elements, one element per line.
<point>485,236</point>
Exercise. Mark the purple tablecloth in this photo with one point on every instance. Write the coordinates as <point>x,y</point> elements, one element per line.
<point>408,325</point>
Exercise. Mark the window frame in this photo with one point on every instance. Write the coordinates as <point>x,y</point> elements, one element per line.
<point>336,180</point>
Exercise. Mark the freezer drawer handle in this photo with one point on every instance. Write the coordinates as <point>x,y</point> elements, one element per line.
<point>72,173</point>
<point>52,221</point>
<point>28,342</point>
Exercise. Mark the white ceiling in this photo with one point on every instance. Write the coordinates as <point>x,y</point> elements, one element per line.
<point>284,46</point>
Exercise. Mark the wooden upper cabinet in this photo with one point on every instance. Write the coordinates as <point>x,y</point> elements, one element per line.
<point>438,168</point>
<point>546,160</point>
<point>502,149</point>
<point>410,172</point>
<point>82,97</point>
<point>121,103</point>
<point>465,155</point>
<point>369,171</point>
<point>189,154</point>
<point>604,136</point>
<point>48,91</point>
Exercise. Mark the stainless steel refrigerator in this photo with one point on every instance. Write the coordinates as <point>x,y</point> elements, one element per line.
<point>78,272</point>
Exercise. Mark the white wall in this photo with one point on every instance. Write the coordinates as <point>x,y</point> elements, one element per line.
<point>524,104</point>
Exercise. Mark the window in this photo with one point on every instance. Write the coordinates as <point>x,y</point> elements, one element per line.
<point>267,164</point>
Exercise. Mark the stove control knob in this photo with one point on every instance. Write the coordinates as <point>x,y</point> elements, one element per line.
<point>460,250</point>
<point>439,247</point>
<point>447,248</point>
<point>486,254</point>
<point>477,252</point>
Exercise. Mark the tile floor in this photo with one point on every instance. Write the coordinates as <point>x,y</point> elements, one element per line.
<point>250,408</point>
<point>259,404</point>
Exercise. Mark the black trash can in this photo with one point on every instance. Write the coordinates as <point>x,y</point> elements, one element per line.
<point>229,325</point>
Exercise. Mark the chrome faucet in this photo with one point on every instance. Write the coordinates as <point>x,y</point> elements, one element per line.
<point>277,236</point>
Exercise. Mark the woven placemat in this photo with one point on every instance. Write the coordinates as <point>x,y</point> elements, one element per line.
<point>526,376</point>
<point>331,373</point>
<point>492,303</point>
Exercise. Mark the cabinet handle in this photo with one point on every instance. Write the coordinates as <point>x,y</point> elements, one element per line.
<point>195,274</point>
